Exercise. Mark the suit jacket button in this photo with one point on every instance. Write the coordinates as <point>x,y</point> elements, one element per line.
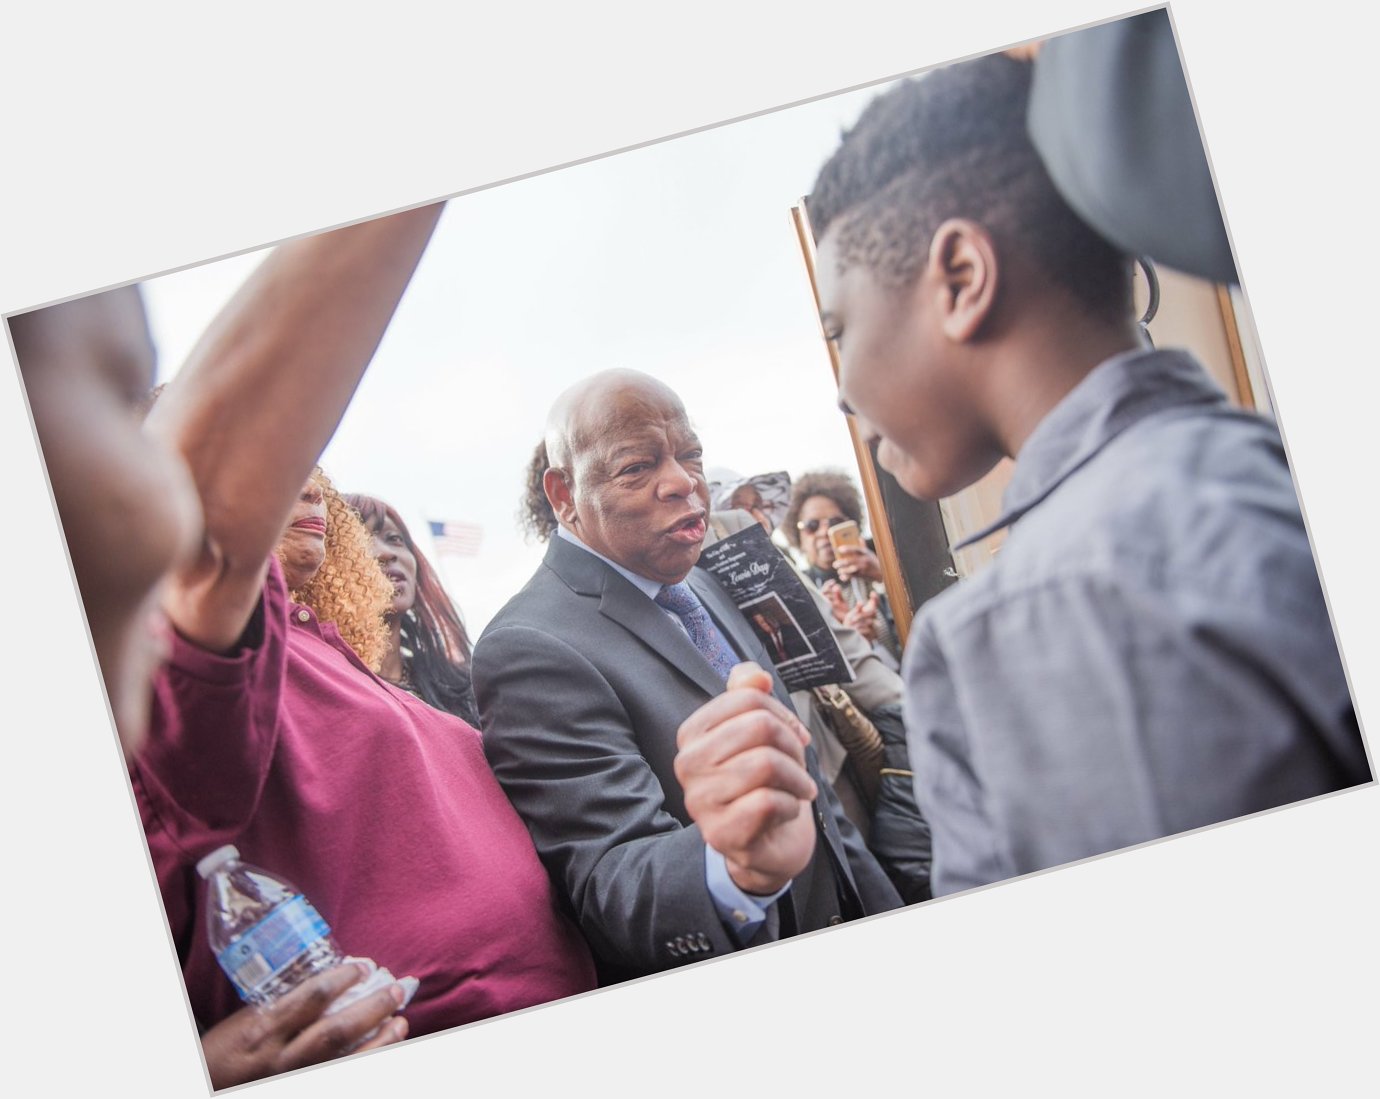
<point>672,948</point>
<point>704,942</point>
<point>680,944</point>
<point>835,920</point>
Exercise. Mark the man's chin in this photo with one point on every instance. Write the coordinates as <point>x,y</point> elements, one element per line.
<point>673,568</point>
<point>914,478</point>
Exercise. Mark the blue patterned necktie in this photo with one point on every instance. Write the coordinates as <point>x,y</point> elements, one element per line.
<point>682,602</point>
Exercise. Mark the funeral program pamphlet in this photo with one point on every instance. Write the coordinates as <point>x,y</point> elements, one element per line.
<point>782,612</point>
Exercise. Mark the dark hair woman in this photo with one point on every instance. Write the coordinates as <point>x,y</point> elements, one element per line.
<point>429,653</point>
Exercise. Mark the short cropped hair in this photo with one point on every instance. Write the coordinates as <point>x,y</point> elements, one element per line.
<point>953,143</point>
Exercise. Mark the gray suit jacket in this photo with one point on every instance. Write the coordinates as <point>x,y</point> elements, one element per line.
<point>582,683</point>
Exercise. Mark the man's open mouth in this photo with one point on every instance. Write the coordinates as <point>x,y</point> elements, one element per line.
<point>689,530</point>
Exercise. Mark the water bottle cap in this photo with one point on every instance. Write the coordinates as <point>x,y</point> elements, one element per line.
<point>208,866</point>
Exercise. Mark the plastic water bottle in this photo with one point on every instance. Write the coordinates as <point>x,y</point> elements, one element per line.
<point>268,938</point>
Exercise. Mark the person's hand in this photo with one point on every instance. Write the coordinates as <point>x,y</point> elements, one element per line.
<point>863,618</point>
<point>292,1032</point>
<point>851,561</point>
<point>741,764</point>
<point>838,603</point>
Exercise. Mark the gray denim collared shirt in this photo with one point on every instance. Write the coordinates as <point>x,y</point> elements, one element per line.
<point>1150,652</point>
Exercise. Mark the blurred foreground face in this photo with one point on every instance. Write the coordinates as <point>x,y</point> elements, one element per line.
<point>128,508</point>
<point>903,379</point>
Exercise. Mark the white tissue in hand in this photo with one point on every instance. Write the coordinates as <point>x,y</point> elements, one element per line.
<point>379,977</point>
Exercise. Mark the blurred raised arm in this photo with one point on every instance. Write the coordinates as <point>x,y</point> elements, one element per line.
<point>263,392</point>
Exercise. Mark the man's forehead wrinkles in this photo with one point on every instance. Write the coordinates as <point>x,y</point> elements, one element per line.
<point>633,440</point>
<point>639,437</point>
<point>649,437</point>
<point>602,425</point>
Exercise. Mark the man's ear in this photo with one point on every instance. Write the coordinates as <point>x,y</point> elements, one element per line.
<point>963,267</point>
<point>557,486</point>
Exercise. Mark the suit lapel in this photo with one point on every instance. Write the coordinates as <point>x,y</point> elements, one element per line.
<point>620,602</point>
<point>648,623</point>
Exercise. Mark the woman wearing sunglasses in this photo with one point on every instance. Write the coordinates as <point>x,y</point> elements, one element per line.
<point>820,501</point>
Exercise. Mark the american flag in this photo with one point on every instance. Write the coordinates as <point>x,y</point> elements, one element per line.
<point>460,539</point>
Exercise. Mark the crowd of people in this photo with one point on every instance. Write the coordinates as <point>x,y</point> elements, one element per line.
<point>613,780</point>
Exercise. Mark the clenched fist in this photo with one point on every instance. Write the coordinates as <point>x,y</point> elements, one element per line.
<point>742,766</point>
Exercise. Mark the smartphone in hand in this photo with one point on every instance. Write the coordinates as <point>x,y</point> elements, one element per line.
<point>845,534</point>
<point>848,534</point>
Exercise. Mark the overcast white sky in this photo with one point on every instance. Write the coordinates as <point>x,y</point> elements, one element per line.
<point>678,259</point>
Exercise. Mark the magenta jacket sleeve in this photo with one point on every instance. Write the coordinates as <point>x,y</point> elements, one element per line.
<point>213,731</point>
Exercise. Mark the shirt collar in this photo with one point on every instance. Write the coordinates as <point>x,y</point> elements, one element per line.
<point>1117,393</point>
<point>650,588</point>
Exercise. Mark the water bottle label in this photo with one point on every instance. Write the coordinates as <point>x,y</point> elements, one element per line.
<point>268,947</point>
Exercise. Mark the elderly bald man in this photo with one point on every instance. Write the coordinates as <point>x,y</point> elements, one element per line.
<point>680,820</point>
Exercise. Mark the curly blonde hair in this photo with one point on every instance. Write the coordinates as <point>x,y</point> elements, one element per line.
<point>349,589</point>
